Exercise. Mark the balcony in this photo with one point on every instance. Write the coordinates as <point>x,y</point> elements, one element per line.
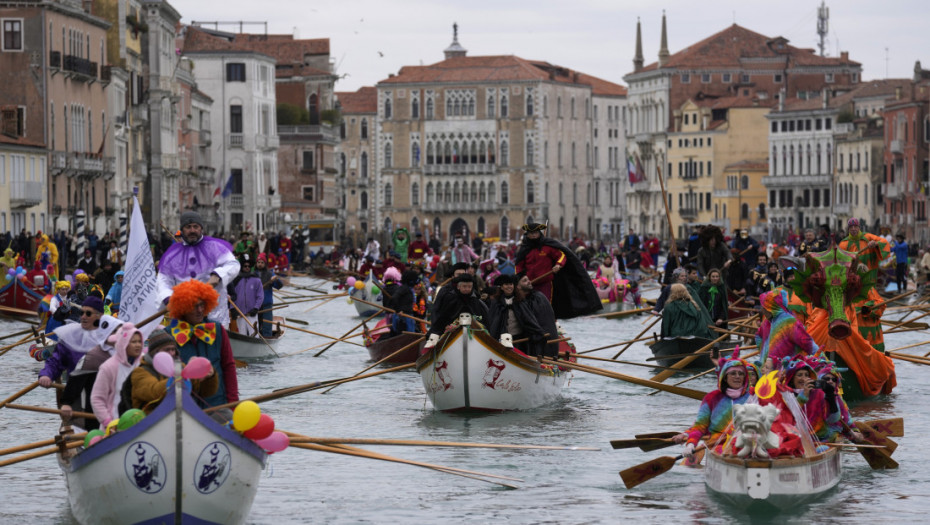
<point>460,169</point>
<point>268,202</point>
<point>897,147</point>
<point>267,142</point>
<point>304,134</point>
<point>236,201</point>
<point>893,191</point>
<point>235,140</point>
<point>59,161</point>
<point>688,214</point>
<point>794,181</point>
<point>842,209</point>
<point>105,74</point>
<point>140,114</point>
<point>81,68</point>
<point>206,138</point>
<point>24,194</point>
<point>641,187</point>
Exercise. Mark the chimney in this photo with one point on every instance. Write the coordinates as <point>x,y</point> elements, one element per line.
<point>826,97</point>
<point>638,57</point>
<point>663,45</point>
<point>844,56</point>
<point>897,93</point>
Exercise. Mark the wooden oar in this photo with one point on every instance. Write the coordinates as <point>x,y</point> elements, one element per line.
<point>27,339</point>
<point>635,476</point>
<point>631,363</point>
<point>299,438</point>
<point>909,358</point>
<point>354,328</point>
<point>676,356</point>
<point>285,392</point>
<point>893,299</point>
<point>645,444</point>
<point>382,457</point>
<point>683,381</point>
<point>668,434</point>
<point>665,374</point>
<point>852,445</point>
<point>255,330</point>
<point>17,334</point>
<point>878,459</point>
<point>319,305</point>
<point>314,347</point>
<point>382,360</point>
<point>893,427</point>
<point>18,311</point>
<point>74,414</point>
<point>686,392</point>
<point>388,310</point>
<point>19,394</point>
<point>311,332</point>
<point>624,349</point>
<point>891,329</point>
<point>38,454</point>
<point>37,444</point>
<point>630,341</point>
<point>621,313</point>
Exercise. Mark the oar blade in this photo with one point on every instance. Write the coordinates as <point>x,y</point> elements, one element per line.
<point>878,459</point>
<point>892,427</point>
<point>656,444</point>
<point>635,476</point>
<point>641,443</point>
<point>658,435</point>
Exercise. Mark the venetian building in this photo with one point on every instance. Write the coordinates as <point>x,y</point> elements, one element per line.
<point>483,144</point>
<point>359,110</point>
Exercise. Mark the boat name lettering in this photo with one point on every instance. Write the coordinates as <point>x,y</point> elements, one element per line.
<point>789,477</point>
<point>823,473</point>
<point>508,386</point>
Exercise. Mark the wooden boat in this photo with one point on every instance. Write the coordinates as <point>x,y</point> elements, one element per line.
<point>365,294</point>
<point>380,346</point>
<point>20,298</point>
<point>772,484</point>
<point>177,465</point>
<point>249,347</point>
<point>673,349</point>
<point>469,370</point>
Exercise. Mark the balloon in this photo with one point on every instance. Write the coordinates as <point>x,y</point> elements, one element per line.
<point>246,415</point>
<point>130,418</point>
<point>19,269</point>
<point>11,271</point>
<point>111,426</point>
<point>262,430</point>
<point>358,284</point>
<point>350,281</point>
<point>375,290</point>
<point>94,440</point>
<point>197,368</point>
<point>276,442</point>
<point>89,438</point>
<point>164,364</point>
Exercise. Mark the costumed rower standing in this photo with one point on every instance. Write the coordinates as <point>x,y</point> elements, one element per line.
<point>200,257</point>
<point>571,291</point>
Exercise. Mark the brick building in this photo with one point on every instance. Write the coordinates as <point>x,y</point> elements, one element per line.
<point>359,110</point>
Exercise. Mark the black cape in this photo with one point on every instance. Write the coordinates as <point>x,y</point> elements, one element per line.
<point>535,316</point>
<point>572,288</point>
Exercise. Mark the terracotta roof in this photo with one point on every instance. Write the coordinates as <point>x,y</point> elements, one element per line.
<point>19,141</point>
<point>869,89</point>
<point>365,100</point>
<point>749,164</point>
<point>735,46</point>
<point>287,71</point>
<point>499,69</point>
<point>283,48</point>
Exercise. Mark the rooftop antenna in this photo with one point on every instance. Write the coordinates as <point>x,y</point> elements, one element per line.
<point>823,25</point>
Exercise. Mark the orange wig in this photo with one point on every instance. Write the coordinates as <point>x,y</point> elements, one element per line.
<point>186,295</point>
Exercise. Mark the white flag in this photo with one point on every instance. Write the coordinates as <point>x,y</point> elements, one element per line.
<point>139,300</point>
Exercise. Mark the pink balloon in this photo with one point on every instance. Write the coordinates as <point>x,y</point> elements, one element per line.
<point>164,364</point>
<point>95,439</point>
<point>197,368</point>
<point>350,281</point>
<point>276,442</point>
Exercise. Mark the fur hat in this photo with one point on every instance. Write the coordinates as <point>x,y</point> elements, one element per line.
<point>503,279</point>
<point>191,217</point>
<point>185,296</point>
<point>159,340</point>
<point>464,278</point>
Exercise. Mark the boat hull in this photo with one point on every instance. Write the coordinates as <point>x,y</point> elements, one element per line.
<point>779,484</point>
<point>382,348</point>
<point>254,348</point>
<point>365,310</point>
<point>469,370</point>
<point>670,351</point>
<point>140,474</point>
<point>20,296</point>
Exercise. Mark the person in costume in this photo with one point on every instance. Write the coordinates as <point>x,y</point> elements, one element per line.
<point>200,257</point>
<point>245,246</point>
<point>683,316</point>
<point>198,335</point>
<point>489,270</point>
<point>523,312</point>
<point>716,411</point>
<point>47,248</point>
<point>146,387</point>
<point>59,308</point>
<point>781,335</point>
<point>871,249</point>
<point>419,249</point>
<point>713,295</point>
<point>461,299</point>
<point>714,252</point>
<point>115,294</point>
<point>8,260</point>
<point>270,283</point>
<point>801,377</point>
<point>543,259</point>
<point>247,294</point>
<point>105,396</point>
<point>399,297</point>
<point>462,252</point>
<point>900,250</point>
<point>401,243</point>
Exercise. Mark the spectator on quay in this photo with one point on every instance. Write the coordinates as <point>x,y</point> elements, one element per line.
<point>900,250</point>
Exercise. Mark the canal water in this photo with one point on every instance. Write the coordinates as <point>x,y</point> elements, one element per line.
<point>300,486</point>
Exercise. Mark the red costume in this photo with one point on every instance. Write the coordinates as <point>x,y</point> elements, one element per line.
<point>538,262</point>
<point>419,250</point>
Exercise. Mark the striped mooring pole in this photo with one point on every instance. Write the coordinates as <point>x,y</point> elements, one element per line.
<point>123,236</point>
<point>79,236</point>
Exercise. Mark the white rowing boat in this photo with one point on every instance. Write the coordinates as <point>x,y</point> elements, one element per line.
<point>366,310</point>
<point>177,465</point>
<point>254,347</point>
<point>469,370</point>
<point>772,484</point>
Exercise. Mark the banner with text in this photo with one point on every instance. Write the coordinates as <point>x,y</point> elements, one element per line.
<point>139,299</point>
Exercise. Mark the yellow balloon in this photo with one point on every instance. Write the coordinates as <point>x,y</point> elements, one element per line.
<point>359,285</point>
<point>111,426</point>
<point>246,415</point>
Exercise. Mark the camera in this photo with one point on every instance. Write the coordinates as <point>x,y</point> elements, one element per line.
<point>819,384</point>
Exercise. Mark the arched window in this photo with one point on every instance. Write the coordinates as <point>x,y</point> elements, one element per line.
<point>388,195</point>
<point>448,107</point>
<point>483,193</point>
<point>415,225</point>
<point>574,158</point>
<point>491,106</point>
<point>430,155</point>
<point>448,192</point>
<point>530,194</point>
<point>474,192</point>
<point>342,164</point>
<point>473,157</point>
<point>363,201</point>
<point>471,107</point>
<point>505,228</point>
<point>744,182</point>
<point>504,106</point>
<point>481,225</point>
<point>505,154</point>
<point>342,129</point>
<point>587,154</point>
<point>313,106</point>
<point>456,193</point>
<point>387,155</point>
<point>762,210</point>
<point>364,128</point>
<point>529,152</point>
<point>429,110</point>
<point>492,195</point>
<point>505,195</point>
<point>447,153</point>
<point>430,193</point>
<point>415,194</point>
<point>774,160</point>
<point>415,108</point>
<point>388,225</point>
<point>744,211</point>
<point>415,154</point>
<point>387,108</point>
<point>364,165</point>
<point>529,103</point>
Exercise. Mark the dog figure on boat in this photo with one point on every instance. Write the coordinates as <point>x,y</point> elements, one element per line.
<point>754,425</point>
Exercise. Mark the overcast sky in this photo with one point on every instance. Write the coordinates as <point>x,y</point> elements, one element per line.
<point>371,38</point>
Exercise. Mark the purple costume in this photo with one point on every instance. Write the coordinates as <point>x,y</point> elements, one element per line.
<point>183,262</point>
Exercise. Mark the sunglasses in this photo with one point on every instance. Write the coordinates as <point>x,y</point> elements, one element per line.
<point>88,313</point>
